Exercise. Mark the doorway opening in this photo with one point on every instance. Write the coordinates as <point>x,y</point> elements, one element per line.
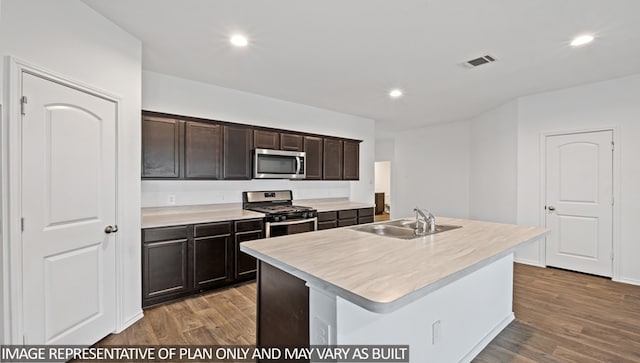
<point>382,190</point>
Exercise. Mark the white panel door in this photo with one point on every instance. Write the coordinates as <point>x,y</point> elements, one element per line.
<point>68,198</point>
<point>579,211</point>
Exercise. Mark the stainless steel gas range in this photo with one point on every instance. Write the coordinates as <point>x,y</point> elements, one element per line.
<point>282,217</point>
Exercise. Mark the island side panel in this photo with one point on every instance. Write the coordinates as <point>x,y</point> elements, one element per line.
<point>470,312</point>
<point>283,308</point>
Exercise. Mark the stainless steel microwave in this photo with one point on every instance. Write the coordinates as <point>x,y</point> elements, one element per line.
<point>279,164</point>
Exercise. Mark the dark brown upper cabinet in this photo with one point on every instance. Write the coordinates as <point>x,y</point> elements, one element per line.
<point>238,143</point>
<point>351,160</point>
<point>263,139</point>
<point>161,147</point>
<point>291,142</point>
<point>313,147</point>
<point>203,150</point>
<point>332,162</point>
<point>182,147</point>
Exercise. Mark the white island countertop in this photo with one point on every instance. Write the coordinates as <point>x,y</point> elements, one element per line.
<point>382,274</point>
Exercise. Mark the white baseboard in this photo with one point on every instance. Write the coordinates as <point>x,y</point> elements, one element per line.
<point>129,322</point>
<point>488,338</point>
<point>528,262</point>
<point>629,281</point>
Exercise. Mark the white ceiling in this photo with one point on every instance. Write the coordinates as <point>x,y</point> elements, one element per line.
<point>345,55</point>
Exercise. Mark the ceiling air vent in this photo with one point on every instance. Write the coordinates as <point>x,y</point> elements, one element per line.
<point>479,61</point>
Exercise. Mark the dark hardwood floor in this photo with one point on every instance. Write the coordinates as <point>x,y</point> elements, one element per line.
<point>218,318</point>
<point>561,316</point>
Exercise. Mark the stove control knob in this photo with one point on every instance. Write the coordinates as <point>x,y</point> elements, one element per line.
<point>276,218</point>
<point>283,218</point>
<point>304,215</point>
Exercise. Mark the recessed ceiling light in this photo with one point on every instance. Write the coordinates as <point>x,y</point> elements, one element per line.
<point>581,40</point>
<point>395,93</point>
<point>239,40</point>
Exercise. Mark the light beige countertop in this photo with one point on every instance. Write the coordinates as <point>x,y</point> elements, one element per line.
<point>191,214</point>
<point>381,273</point>
<point>180,215</point>
<point>331,204</point>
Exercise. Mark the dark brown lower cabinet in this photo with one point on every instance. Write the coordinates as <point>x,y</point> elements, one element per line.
<point>246,265</point>
<point>184,260</point>
<point>347,217</point>
<point>365,215</point>
<point>283,309</point>
<point>212,255</point>
<point>344,218</point>
<point>327,220</point>
<point>165,273</point>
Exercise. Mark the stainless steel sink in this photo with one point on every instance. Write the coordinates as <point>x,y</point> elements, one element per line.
<point>402,223</point>
<point>402,229</point>
<point>388,231</point>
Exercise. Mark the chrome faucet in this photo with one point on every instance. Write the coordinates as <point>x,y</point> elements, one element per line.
<point>425,222</point>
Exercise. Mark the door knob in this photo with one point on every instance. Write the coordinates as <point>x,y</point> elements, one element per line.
<point>551,208</point>
<point>111,229</point>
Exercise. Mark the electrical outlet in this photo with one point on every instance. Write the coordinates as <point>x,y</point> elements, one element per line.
<point>171,199</point>
<point>436,332</point>
<point>321,332</point>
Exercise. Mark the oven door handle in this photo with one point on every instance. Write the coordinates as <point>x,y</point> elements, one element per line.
<point>297,221</point>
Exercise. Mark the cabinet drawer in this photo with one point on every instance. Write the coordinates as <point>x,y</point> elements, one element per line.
<point>327,216</point>
<point>327,224</point>
<point>248,225</point>
<point>363,212</point>
<point>365,219</point>
<point>213,229</point>
<point>346,214</point>
<point>164,234</point>
<point>347,222</point>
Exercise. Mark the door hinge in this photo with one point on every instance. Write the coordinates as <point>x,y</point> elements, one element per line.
<point>23,101</point>
<point>24,340</point>
<point>613,145</point>
<point>22,224</point>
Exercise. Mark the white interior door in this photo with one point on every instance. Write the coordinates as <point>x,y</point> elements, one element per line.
<point>579,201</point>
<point>68,198</point>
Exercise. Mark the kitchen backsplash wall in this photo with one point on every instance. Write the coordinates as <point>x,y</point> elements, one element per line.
<point>159,193</point>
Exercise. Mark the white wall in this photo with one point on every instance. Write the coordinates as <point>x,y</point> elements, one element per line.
<point>496,157</point>
<point>69,38</point>
<point>493,164</point>
<point>169,94</point>
<point>384,149</point>
<point>597,105</point>
<point>431,169</point>
<point>383,179</point>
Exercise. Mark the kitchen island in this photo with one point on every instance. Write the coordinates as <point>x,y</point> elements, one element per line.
<point>446,295</point>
